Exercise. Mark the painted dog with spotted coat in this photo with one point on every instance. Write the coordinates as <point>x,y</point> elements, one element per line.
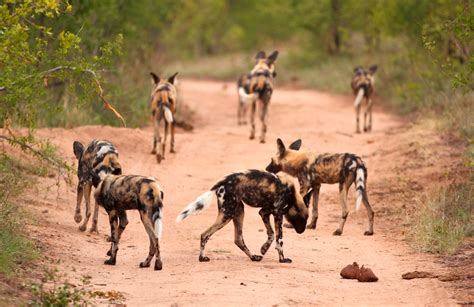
<point>99,154</point>
<point>363,87</point>
<point>117,194</point>
<point>275,194</point>
<point>257,87</point>
<point>313,169</point>
<point>164,99</point>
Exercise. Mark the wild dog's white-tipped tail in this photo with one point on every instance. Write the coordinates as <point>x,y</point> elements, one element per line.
<point>201,203</point>
<point>246,98</point>
<point>157,218</point>
<point>168,115</point>
<point>360,95</point>
<point>360,186</point>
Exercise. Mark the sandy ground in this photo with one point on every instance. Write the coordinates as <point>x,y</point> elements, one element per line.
<point>216,147</point>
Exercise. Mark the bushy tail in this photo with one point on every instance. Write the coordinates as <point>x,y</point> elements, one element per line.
<point>360,95</point>
<point>168,114</point>
<point>246,98</point>
<point>157,219</point>
<point>360,186</point>
<point>201,203</point>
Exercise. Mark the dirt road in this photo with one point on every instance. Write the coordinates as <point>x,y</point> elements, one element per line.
<point>217,147</point>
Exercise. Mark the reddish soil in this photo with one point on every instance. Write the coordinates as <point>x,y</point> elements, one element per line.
<point>397,160</point>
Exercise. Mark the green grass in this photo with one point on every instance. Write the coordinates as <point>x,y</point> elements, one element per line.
<point>445,218</point>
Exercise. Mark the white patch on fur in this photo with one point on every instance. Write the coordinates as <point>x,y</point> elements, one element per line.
<point>205,200</point>
<point>359,183</point>
<point>102,174</point>
<point>353,164</point>
<point>104,149</point>
<point>246,98</point>
<point>278,245</point>
<point>168,115</point>
<point>359,97</point>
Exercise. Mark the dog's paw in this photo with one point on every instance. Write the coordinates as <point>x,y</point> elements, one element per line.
<point>94,230</point>
<point>158,265</point>
<point>262,141</point>
<point>78,217</point>
<point>204,259</point>
<point>153,151</point>
<point>264,248</point>
<point>144,264</point>
<point>256,258</point>
<point>109,252</point>
<point>311,226</point>
<point>368,233</point>
<point>82,228</point>
<point>159,158</point>
<point>286,260</point>
<point>337,232</point>
<point>109,262</point>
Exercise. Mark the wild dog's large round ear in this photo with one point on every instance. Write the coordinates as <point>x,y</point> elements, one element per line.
<point>272,57</point>
<point>78,149</point>
<point>373,69</point>
<point>296,145</point>
<point>357,69</point>
<point>156,79</point>
<point>260,55</point>
<point>281,147</point>
<point>173,78</point>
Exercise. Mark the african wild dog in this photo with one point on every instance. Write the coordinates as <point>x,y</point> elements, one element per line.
<point>258,86</point>
<point>128,192</point>
<point>313,169</point>
<point>363,87</point>
<point>163,99</point>
<point>98,155</point>
<point>275,195</point>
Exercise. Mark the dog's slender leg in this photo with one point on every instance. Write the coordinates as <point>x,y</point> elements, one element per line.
<point>263,119</point>
<point>365,115</point>
<point>123,222</point>
<point>220,222</point>
<point>343,197</point>
<point>159,156</point>
<point>87,194</point>
<point>270,235</point>
<point>95,218</point>
<point>370,114</point>
<point>357,118</point>
<point>80,194</point>
<point>147,223</point>
<point>172,137</point>
<point>156,132</point>
<point>165,138</point>
<point>252,119</point>
<point>370,213</point>
<point>113,220</point>
<point>279,239</point>
<point>244,112</point>
<point>238,236</point>
<point>314,218</point>
<point>239,112</point>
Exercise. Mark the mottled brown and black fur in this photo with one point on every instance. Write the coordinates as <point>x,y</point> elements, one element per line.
<point>275,194</point>
<point>258,89</point>
<point>363,87</point>
<point>117,194</point>
<point>98,155</point>
<point>313,169</point>
<point>164,99</point>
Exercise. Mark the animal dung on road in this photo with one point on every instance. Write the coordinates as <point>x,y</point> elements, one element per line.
<point>362,274</point>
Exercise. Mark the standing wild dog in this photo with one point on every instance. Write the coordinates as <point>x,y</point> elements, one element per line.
<point>313,169</point>
<point>258,86</point>
<point>363,87</point>
<point>120,193</point>
<point>163,106</point>
<point>275,195</point>
<point>98,155</point>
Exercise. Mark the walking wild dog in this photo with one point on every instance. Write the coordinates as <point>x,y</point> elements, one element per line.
<point>363,87</point>
<point>258,86</point>
<point>120,193</point>
<point>313,169</point>
<point>98,155</point>
<point>163,105</point>
<point>275,195</point>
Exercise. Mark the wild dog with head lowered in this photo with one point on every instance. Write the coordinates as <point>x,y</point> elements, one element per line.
<point>120,193</point>
<point>98,155</point>
<point>258,86</point>
<point>363,87</point>
<point>313,169</point>
<point>163,106</point>
<point>275,194</point>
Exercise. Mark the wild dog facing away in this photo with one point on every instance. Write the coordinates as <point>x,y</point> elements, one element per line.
<point>258,86</point>
<point>363,87</point>
<point>117,194</point>
<point>99,155</point>
<point>163,99</point>
<point>275,194</point>
<point>313,169</point>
